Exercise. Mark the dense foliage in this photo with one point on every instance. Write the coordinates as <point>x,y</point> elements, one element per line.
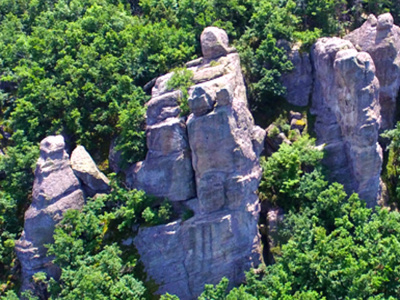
<point>331,245</point>
<point>79,68</point>
<point>88,246</point>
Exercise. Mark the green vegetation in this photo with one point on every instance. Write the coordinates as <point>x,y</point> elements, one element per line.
<point>287,173</point>
<point>79,67</point>
<point>392,172</point>
<point>88,246</point>
<point>181,79</point>
<point>332,247</point>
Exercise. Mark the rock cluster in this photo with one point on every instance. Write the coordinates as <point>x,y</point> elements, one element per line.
<point>355,83</point>
<point>381,39</point>
<point>345,102</point>
<point>167,170</point>
<point>212,156</point>
<point>55,190</point>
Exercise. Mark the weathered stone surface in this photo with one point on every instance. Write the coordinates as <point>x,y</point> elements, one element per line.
<point>275,217</point>
<point>201,101</point>
<point>214,42</point>
<point>55,190</point>
<point>299,81</point>
<point>185,256</point>
<point>381,39</point>
<point>161,176</point>
<point>221,239</point>
<point>93,181</point>
<point>345,102</point>
<point>167,170</point>
<point>163,107</point>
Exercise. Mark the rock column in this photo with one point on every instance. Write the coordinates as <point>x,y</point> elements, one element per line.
<point>222,238</point>
<point>345,102</point>
<point>55,190</point>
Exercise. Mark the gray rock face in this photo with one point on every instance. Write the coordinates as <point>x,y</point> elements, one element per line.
<point>182,257</point>
<point>381,39</point>
<point>93,181</point>
<point>55,190</point>
<point>345,102</point>
<point>214,42</point>
<point>167,170</point>
<point>222,238</point>
<point>299,81</point>
<point>114,157</point>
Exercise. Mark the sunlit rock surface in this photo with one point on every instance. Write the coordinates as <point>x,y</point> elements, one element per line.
<point>223,146</point>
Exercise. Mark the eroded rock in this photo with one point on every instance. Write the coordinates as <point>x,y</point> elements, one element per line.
<point>93,181</point>
<point>298,82</point>
<point>214,42</point>
<point>381,39</point>
<point>55,190</point>
<point>167,170</point>
<point>345,102</point>
<point>221,239</point>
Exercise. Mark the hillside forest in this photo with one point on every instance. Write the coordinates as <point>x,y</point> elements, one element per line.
<point>81,68</point>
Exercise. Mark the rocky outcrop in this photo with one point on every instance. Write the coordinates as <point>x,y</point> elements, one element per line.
<point>299,81</point>
<point>167,170</point>
<point>381,39</point>
<point>214,42</point>
<point>345,102</point>
<point>55,190</point>
<point>93,181</point>
<point>222,144</point>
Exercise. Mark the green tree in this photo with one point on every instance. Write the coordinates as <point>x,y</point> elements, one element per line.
<point>285,181</point>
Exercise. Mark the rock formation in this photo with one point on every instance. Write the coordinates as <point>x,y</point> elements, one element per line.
<point>93,181</point>
<point>299,81</point>
<point>345,102</point>
<point>55,190</point>
<point>381,39</point>
<point>212,156</point>
<point>348,75</point>
<point>167,170</point>
<point>343,98</point>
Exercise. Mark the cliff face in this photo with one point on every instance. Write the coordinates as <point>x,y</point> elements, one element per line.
<point>222,145</point>
<point>355,83</point>
<point>346,105</point>
<point>381,39</point>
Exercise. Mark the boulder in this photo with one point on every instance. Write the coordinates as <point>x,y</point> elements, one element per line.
<point>297,122</point>
<point>218,149</point>
<point>214,42</point>
<point>345,102</point>
<point>93,181</point>
<point>381,39</point>
<point>55,190</point>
